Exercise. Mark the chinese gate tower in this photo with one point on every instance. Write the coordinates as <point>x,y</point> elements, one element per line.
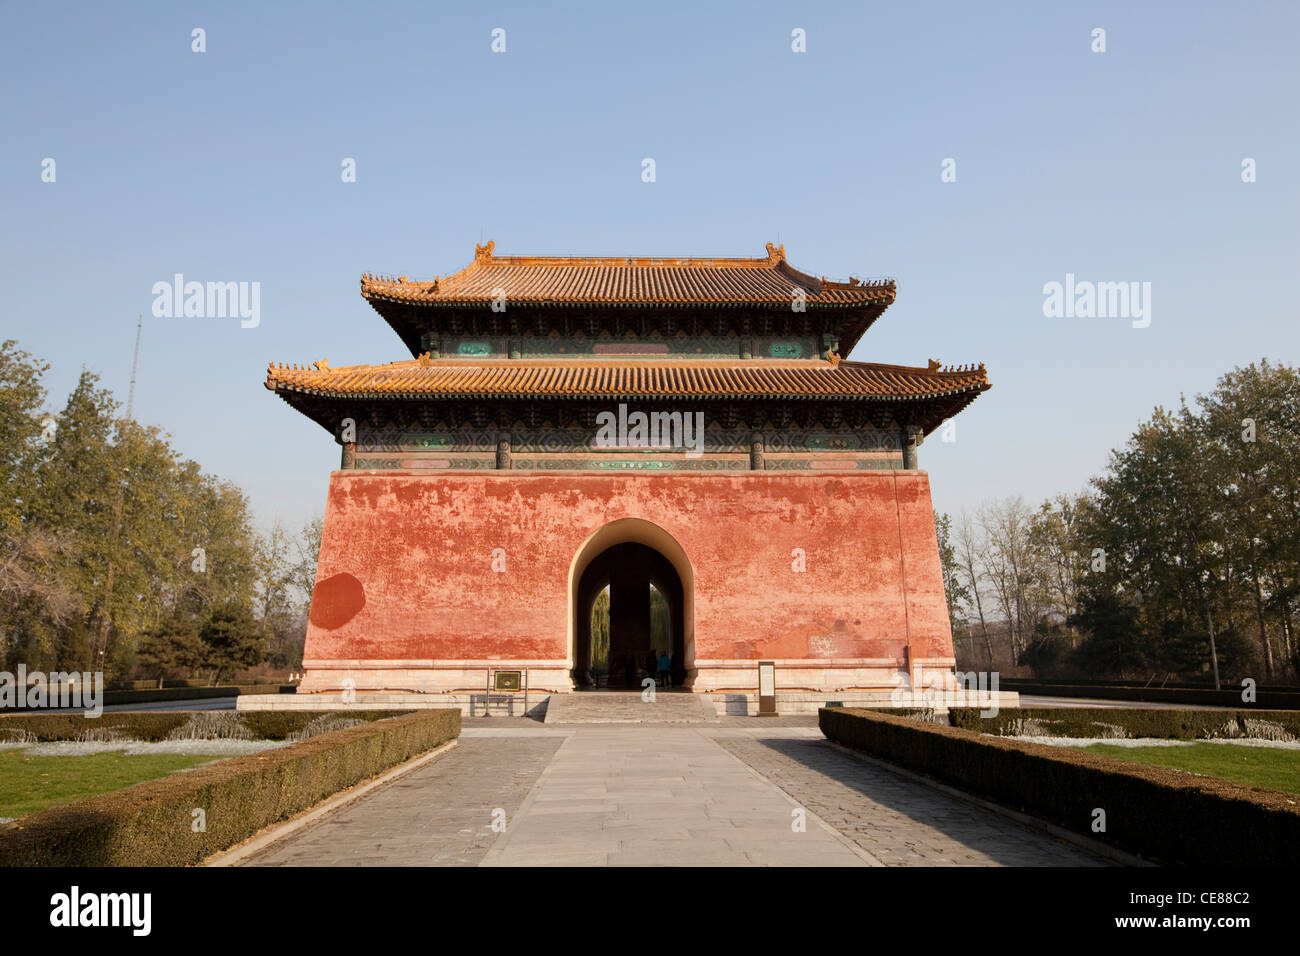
<point>589,460</point>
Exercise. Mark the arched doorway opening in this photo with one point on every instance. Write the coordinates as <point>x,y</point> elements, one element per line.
<point>630,598</point>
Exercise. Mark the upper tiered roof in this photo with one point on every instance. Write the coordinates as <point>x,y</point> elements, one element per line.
<point>623,282</point>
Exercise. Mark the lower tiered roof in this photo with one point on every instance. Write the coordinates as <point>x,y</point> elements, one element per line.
<point>427,379</point>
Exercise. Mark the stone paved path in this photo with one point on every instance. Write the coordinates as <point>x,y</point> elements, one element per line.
<point>894,818</point>
<point>438,815</point>
<point>675,795</point>
<point>660,796</point>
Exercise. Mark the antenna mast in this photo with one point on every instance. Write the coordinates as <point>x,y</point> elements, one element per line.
<point>135,362</point>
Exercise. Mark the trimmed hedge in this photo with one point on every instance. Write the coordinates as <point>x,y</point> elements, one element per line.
<point>1271,699</point>
<point>174,693</point>
<point>150,824</point>
<point>1131,722</point>
<point>1014,683</point>
<point>262,724</point>
<point>1159,814</point>
<point>188,682</point>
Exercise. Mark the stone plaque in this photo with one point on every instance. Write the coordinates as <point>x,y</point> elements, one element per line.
<point>507,680</point>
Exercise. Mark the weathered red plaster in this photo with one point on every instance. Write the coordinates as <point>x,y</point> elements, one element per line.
<point>420,548</point>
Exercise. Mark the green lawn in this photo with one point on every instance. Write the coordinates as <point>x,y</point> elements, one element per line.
<point>28,783</point>
<point>1258,766</point>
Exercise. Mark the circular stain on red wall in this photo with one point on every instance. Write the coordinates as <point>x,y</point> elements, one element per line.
<point>336,601</point>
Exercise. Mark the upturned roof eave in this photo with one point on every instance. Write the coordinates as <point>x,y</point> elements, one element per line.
<point>283,388</point>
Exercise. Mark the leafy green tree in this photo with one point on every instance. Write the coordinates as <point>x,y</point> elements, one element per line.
<point>1161,524</point>
<point>105,530</point>
<point>22,430</point>
<point>1250,428</point>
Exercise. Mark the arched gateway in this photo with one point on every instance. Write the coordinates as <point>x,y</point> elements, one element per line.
<point>674,442</point>
<point>640,569</point>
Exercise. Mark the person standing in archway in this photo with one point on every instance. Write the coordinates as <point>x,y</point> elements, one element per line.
<point>665,670</point>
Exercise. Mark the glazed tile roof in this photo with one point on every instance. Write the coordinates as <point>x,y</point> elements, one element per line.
<point>767,281</point>
<point>740,379</point>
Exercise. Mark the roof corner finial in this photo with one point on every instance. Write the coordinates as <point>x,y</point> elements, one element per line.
<point>775,253</point>
<point>484,251</point>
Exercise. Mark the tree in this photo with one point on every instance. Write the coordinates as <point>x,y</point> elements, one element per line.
<point>40,609</point>
<point>1113,646</point>
<point>172,645</point>
<point>1010,563</point>
<point>1161,520</point>
<point>107,534</point>
<point>967,547</point>
<point>22,430</point>
<point>1250,430</point>
<point>231,640</point>
<point>956,591</point>
<point>307,550</point>
<point>1055,538</point>
<point>73,496</point>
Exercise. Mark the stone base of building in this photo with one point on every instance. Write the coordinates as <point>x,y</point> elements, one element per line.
<point>790,704</point>
<point>468,704</point>
<point>734,704</point>
<point>428,677</point>
<point>707,676</point>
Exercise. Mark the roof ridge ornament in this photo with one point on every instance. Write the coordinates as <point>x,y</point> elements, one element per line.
<point>322,366</point>
<point>934,365</point>
<point>484,252</point>
<point>775,253</point>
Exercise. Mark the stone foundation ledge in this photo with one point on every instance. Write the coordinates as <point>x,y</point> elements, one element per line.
<point>389,701</point>
<point>789,703</point>
<point>734,704</point>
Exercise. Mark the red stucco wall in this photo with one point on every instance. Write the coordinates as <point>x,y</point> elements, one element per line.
<point>406,563</point>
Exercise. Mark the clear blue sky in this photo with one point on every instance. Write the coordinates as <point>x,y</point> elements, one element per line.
<point>225,165</point>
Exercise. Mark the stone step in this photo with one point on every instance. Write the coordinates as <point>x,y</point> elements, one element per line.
<point>628,707</point>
